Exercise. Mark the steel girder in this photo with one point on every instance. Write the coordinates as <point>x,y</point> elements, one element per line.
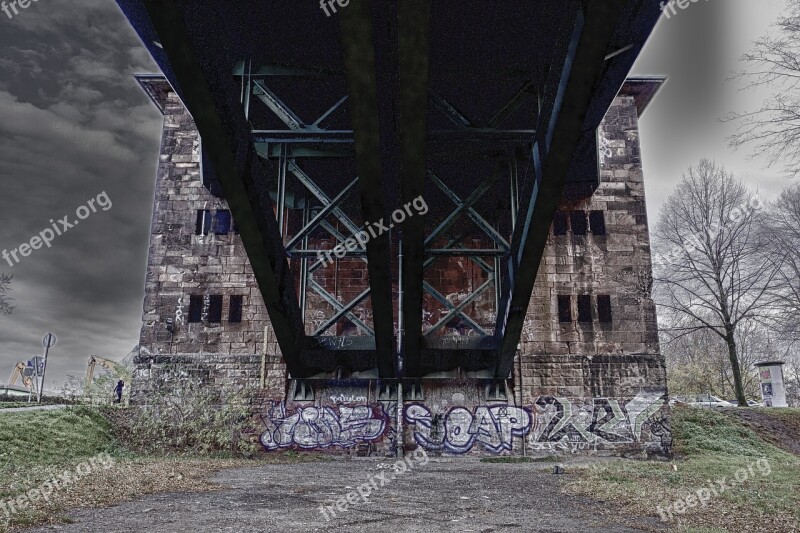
<point>205,83</point>
<point>393,81</point>
<point>560,131</point>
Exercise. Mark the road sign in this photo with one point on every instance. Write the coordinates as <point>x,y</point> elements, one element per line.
<point>49,340</point>
<point>37,362</point>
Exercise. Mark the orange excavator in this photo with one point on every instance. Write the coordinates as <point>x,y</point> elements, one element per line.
<point>20,372</point>
<point>93,362</point>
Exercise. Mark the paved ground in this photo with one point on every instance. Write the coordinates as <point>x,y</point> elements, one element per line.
<point>34,408</point>
<point>443,495</point>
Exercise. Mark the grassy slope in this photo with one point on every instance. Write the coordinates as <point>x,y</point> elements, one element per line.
<point>46,438</point>
<point>709,446</point>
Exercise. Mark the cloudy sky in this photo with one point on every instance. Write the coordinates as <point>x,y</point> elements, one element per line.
<point>74,124</point>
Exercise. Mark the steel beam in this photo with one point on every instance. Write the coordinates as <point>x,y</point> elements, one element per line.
<point>413,35</point>
<point>560,133</point>
<point>359,59</point>
<point>211,96</point>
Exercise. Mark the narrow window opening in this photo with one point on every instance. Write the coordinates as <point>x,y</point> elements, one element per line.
<point>604,308</point>
<point>215,309</point>
<point>203,223</point>
<point>496,391</point>
<point>235,314</point>
<point>413,392</point>
<point>303,391</point>
<point>560,223</point>
<point>195,308</point>
<point>578,222</point>
<point>597,223</point>
<point>222,222</point>
<point>387,393</point>
<point>564,309</point>
<point>584,308</point>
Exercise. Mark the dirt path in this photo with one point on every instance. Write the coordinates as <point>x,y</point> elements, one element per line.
<point>442,495</point>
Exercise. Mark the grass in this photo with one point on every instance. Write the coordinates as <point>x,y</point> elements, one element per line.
<point>38,446</point>
<point>44,438</point>
<point>11,405</point>
<point>710,446</point>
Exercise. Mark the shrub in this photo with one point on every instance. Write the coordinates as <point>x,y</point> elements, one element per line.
<point>189,418</point>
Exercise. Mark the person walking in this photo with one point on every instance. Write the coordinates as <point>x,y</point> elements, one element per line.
<point>118,391</point>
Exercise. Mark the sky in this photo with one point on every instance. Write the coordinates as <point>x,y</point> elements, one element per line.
<point>74,125</point>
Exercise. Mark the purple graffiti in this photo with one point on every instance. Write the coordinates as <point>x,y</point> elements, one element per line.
<point>459,430</point>
<point>321,427</point>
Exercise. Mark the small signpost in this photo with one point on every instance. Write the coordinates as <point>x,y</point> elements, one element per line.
<point>40,366</point>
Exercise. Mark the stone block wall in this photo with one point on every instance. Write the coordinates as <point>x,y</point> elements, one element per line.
<point>581,383</point>
<point>183,264</point>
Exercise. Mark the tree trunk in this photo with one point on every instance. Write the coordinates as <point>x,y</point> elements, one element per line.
<point>737,372</point>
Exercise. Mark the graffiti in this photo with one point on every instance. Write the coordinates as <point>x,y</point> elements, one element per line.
<point>332,342</point>
<point>659,426</point>
<point>179,312</point>
<point>460,429</point>
<point>206,306</point>
<point>341,398</point>
<point>321,427</point>
<point>572,447</point>
<point>558,419</point>
<point>606,150</point>
<point>529,332</point>
<point>550,424</point>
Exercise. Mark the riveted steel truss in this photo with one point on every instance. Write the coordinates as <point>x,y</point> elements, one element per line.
<point>329,124</point>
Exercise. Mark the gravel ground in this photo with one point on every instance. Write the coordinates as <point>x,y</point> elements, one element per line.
<point>443,495</point>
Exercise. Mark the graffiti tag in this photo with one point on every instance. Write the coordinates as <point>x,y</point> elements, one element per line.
<point>321,427</point>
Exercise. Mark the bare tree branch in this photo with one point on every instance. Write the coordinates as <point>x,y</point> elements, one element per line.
<point>774,129</point>
<point>710,271</point>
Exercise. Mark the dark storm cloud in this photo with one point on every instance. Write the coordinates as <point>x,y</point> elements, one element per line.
<point>74,123</point>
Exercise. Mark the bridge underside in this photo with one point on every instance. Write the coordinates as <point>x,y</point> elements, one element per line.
<point>472,121</point>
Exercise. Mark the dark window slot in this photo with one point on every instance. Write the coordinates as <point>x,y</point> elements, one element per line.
<point>222,222</point>
<point>604,308</point>
<point>560,226</point>
<point>215,309</point>
<point>584,308</point>
<point>203,223</point>
<point>564,309</point>
<point>195,308</point>
<point>597,223</point>
<point>236,308</point>
<point>578,222</point>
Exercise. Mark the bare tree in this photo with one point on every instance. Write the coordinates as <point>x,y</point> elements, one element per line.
<point>5,300</point>
<point>697,362</point>
<point>783,229</point>
<point>774,63</point>
<point>709,270</point>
